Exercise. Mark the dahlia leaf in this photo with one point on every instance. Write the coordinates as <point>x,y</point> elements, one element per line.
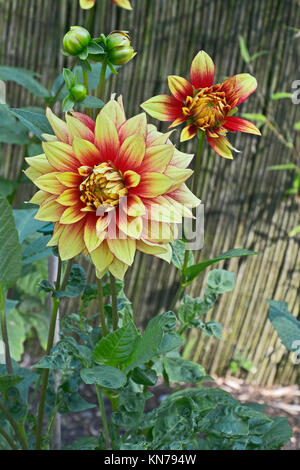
<point>105,376</point>
<point>24,78</point>
<point>35,122</point>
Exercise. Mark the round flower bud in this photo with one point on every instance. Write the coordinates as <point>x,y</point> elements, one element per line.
<point>119,49</point>
<point>78,92</point>
<point>76,40</point>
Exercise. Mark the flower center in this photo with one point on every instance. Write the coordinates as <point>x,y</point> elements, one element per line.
<point>208,108</point>
<point>103,186</point>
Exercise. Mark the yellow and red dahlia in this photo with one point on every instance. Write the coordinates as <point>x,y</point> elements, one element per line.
<point>204,106</point>
<point>111,187</point>
<point>87,4</point>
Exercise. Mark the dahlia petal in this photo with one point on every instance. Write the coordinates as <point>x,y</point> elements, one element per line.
<point>152,185</point>
<point>160,210</point>
<point>76,128</point>
<point>188,132</point>
<point>220,145</point>
<point>123,4</point>
<point>39,197</point>
<point>185,196</point>
<point>49,183</point>
<point>157,158</point>
<point>133,126</point>
<point>71,215</point>
<point>167,256</point>
<point>178,175</point>
<point>86,152</point>
<point>71,241</point>
<point>202,71</point>
<point>70,197</point>
<point>50,138</point>
<point>180,87</point>
<point>102,257</point>
<point>118,269</point>
<point>163,107</point>
<point>60,156</point>
<point>131,226</point>
<point>40,163</point>
<point>123,249</point>
<point>131,153</point>
<point>151,248</point>
<point>91,238</point>
<point>106,138</point>
<point>87,4</point>
<point>56,234</point>
<point>181,159</point>
<point>134,206</point>
<point>158,138</point>
<point>85,119</point>
<point>49,211</point>
<point>131,179</point>
<point>58,125</point>
<point>69,179</point>
<point>178,121</point>
<point>102,224</point>
<point>238,124</point>
<point>115,112</point>
<point>238,88</point>
<point>158,232</point>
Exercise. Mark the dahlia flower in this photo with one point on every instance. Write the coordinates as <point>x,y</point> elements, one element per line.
<point>204,106</point>
<point>86,4</point>
<point>111,187</point>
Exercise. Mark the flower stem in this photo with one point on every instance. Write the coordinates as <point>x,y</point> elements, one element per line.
<point>101,308</point>
<point>4,333</point>
<point>103,416</point>
<point>102,79</point>
<point>45,374</point>
<point>19,432</point>
<point>198,161</point>
<point>182,280</point>
<point>114,305</point>
<point>86,84</point>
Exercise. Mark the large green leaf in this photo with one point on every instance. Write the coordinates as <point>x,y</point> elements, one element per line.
<point>24,78</point>
<point>105,376</point>
<point>193,271</point>
<point>11,130</point>
<point>26,223</point>
<point>117,347</point>
<point>76,283</point>
<point>286,325</point>
<point>16,334</point>
<point>10,249</point>
<point>178,254</point>
<point>181,370</point>
<point>35,122</point>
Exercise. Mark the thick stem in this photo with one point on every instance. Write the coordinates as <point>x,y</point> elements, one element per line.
<point>101,308</point>
<point>45,374</point>
<point>103,416</point>
<point>114,304</point>
<point>19,432</point>
<point>9,440</point>
<point>4,333</point>
<point>67,273</point>
<point>102,79</point>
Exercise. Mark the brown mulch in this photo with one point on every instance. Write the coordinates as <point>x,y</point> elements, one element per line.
<point>278,400</point>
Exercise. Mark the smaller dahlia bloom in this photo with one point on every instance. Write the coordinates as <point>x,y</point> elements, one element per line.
<point>204,106</point>
<point>111,187</point>
<point>87,4</point>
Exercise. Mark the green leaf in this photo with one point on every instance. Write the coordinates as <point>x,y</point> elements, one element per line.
<point>181,370</point>
<point>193,271</point>
<point>11,130</point>
<point>76,283</point>
<point>117,347</point>
<point>16,334</point>
<point>189,308</point>
<point>244,50</point>
<point>35,122</point>
<point>7,187</point>
<point>254,117</point>
<point>220,281</point>
<point>105,376</point>
<point>69,78</point>
<point>26,223</point>
<point>68,103</point>
<point>178,254</point>
<point>281,95</point>
<point>24,78</point>
<point>170,342</point>
<point>213,328</point>
<point>83,443</point>
<point>91,102</point>
<point>144,376</point>
<point>36,250</point>
<point>286,325</point>
<point>7,381</point>
<point>257,54</point>
<point>10,249</point>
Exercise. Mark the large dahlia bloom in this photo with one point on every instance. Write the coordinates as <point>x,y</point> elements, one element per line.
<point>204,106</point>
<point>87,4</point>
<point>110,187</point>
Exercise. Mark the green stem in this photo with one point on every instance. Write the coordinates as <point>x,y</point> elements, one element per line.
<point>182,280</point>
<point>45,374</point>
<point>4,333</point>
<point>10,441</point>
<point>114,304</point>
<point>103,416</point>
<point>101,308</point>
<point>198,161</point>
<point>19,432</point>
<point>90,20</point>
<point>67,273</point>
<point>102,79</point>
<point>86,84</point>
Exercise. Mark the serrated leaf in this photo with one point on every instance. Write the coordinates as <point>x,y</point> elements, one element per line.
<point>178,254</point>
<point>213,328</point>
<point>220,281</point>
<point>193,271</point>
<point>117,347</point>
<point>105,376</point>
<point>24,78</point>
<point>181,370</point>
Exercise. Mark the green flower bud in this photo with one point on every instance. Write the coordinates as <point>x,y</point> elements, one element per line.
<point>76,40</point>
<point>118,47</point>
<point>78,92</point>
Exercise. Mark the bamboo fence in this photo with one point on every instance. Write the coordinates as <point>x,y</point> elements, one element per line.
<point>244,202</point>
